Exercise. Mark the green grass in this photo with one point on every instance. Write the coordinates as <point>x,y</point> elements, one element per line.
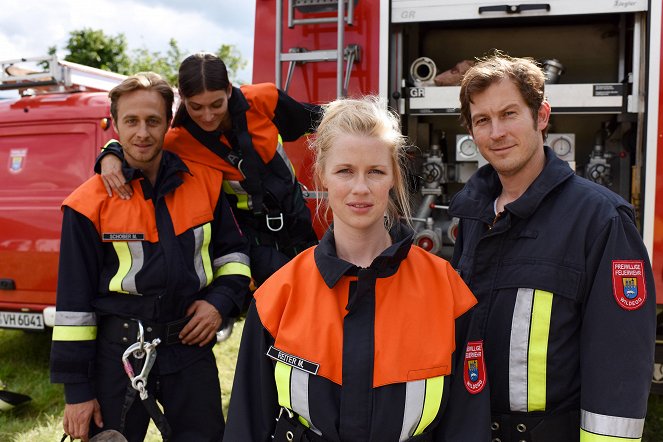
<point>24,369</point>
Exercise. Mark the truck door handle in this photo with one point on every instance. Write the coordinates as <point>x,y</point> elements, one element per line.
<point>514,9</point>
<point>7,284</point>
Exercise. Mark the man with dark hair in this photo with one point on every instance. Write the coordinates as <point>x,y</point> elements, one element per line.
<point>565,326</point>
<point>155,274</point>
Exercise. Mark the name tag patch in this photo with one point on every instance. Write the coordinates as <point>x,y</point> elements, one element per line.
<point>293,361</point>
<point>628,284</point>
<point>123,236</point>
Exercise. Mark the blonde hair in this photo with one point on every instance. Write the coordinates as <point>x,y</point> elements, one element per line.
<point>148,81</point>
<point>368,116</point>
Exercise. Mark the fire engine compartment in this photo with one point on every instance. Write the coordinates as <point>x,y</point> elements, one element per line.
<point>597,121</point>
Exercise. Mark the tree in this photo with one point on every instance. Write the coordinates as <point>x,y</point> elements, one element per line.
<point>233,60</point>
<point>94,48</point>
<point>166,66</point>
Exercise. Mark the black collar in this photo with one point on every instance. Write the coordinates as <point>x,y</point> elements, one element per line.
<point>168,177</point>
<point>332,268</point>
<point>476,199</point>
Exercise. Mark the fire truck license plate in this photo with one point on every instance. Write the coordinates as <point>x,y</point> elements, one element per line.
<point>27,321</point>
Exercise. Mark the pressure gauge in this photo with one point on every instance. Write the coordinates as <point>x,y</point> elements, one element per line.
<point>563,145</point>
<point>466,150</point>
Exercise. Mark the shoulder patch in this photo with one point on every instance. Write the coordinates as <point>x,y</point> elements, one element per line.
<point>474,367</point>
<point>628,284</point>
<point>292,360</point>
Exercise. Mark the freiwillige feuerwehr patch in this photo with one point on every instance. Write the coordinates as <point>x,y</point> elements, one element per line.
<point>474,368</point>
<point>628,284</point>
<point>292,360</point>
<point>123,236</point>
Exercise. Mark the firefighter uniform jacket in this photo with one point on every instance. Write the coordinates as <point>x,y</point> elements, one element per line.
<point>146,258</point>
<point>566,309</point>
<point>359,354</point>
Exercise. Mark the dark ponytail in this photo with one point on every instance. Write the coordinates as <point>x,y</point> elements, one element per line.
<point>198,73</point>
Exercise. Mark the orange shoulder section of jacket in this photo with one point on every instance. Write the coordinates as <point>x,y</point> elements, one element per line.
<point>415,311</point>
<point>262,99</point>
<point>193,203</point>
<point>180,141</point>
<point>190,205</point>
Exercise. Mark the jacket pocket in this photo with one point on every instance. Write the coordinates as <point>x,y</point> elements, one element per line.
<point>559,279</point>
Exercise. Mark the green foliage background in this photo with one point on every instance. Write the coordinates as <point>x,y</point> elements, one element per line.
<point>92,47</point>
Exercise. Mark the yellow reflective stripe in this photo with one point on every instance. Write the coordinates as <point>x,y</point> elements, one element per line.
<point>538,351</point>
<point>204,252</point>
<point>288,381</point>
<point>233,268</point>
<point>282,377</point>
<point>242,199</point>
<point>124,259</point>
<point>432,402</point>
<point>586,436</point>
<point>74,333</point>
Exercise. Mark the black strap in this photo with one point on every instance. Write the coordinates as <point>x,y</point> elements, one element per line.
<point>158,417</point>
<point>152,408</point>
<point>245,159</point>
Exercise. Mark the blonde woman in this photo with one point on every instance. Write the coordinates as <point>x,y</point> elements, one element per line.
<point>353,339</point>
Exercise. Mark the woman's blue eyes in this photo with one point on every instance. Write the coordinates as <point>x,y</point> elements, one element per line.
<point>373,171</point>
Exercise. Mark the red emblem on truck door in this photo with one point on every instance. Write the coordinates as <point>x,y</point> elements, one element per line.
<point>17,160</point>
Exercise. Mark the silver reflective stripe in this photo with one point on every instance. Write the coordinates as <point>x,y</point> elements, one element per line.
<point>137,259</point>
<point>414,403</point>
<point>75,318</point>
<point>518,351</point>
<point>236,187</point>
<point>612,426</point>
<point>199,235</point>
<point>231,257</point>
<point>299,397</point>
<point>281,151</point>
<point>313,194</point>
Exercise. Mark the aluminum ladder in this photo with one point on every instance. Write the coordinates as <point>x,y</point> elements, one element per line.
<point>49,73</point>
<point>351,53</point>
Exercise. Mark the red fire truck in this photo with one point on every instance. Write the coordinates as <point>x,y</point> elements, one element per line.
<point>602,60</point>
<point>50,134</point>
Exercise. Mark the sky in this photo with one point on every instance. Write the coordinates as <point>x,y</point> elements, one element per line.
<point>28,28</point>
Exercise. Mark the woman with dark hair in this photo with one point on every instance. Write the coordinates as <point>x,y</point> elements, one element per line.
<point>240,132</point>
